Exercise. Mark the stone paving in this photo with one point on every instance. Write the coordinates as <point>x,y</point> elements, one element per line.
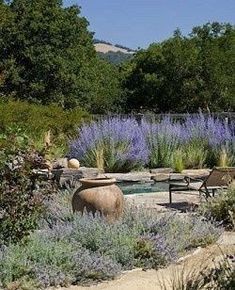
<point>182,201</point>
<point>160,200</point>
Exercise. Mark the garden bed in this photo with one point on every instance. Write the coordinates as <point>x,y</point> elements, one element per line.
<point>70,249</point>
<point>171,276</point>
<point>43,244</point>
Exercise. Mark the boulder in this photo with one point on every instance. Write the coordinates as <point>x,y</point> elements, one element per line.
<point>161,177</point>
<point>60,163</point>
<point>131,176</point>
<point>161,170</point>
<point>68,177</point>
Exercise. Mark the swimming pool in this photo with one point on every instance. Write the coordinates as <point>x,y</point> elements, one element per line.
<point>146,187</point>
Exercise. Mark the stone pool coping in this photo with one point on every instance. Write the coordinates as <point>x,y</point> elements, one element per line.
<point>157,175</point>
<point>71,177</point>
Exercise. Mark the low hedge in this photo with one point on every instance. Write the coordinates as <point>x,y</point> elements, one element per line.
<point>36,119</point>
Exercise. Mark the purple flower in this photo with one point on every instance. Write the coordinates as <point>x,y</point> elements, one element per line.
<point>120,144</point>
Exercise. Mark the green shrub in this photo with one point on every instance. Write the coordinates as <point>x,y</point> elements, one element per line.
<point>223,275</point>
<point>21,200</point>
<point>161,149</point>
<point>35,120</point>
<point>178,160</point>
<point>221,208</point>
<point>226,156</point>
<point>191,155</point>
<point>195,154</point>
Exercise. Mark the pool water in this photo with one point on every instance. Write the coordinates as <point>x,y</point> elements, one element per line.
<point>137,188</point>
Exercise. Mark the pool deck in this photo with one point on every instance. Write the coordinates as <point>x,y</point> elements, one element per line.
<point>159,201</point>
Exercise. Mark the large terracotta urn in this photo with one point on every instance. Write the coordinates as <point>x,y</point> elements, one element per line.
<point>99,195</point>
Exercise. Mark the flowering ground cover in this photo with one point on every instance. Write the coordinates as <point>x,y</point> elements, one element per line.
<point>121,145</point>
<point>70,249</point>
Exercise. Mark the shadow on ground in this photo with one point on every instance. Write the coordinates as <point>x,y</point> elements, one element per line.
<point>180,206</point>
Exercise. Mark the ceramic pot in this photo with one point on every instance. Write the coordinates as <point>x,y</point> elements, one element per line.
<point>99,194</point>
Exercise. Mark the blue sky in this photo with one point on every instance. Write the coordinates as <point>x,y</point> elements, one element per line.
<point>137,23</point>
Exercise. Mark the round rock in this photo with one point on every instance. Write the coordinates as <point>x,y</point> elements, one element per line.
<point>73,163</point>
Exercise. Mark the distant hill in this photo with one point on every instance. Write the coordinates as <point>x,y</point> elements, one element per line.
<point>114,53</point>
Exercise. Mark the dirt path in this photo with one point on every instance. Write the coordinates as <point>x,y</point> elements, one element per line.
<point>152,280</point>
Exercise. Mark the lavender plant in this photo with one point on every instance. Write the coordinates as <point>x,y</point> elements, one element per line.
<point>87,248</point>
<point>162,139</point>
<point>121,145</point>
<point>153,251</point>
<point>58,209</point>
<point>189,231</point>
<point>52,262</point>
<point>117,241</point>
<point>113,145</point>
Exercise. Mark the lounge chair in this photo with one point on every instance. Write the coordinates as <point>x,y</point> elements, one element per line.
<point>219,178</point>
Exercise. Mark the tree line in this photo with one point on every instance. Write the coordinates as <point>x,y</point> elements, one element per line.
<point>47,55</point>
<point>185,74</point>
